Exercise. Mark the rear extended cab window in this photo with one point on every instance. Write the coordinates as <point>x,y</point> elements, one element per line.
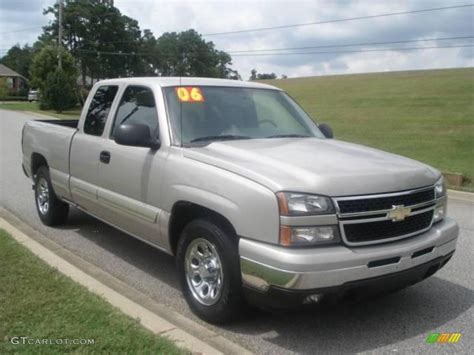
<point>99,108</point>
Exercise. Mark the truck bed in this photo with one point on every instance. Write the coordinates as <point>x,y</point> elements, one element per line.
<point>50,139</point>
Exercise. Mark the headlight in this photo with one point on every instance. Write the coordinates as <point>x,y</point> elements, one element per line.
<point>308,236</point>
<point>441,203</point>
<point>440,188</point>
<point>296,204</point>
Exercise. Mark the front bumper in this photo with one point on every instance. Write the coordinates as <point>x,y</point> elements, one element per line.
<point>268,267</point>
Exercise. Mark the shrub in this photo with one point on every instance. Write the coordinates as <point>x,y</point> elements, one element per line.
<point>59,92</point>
<point>4,89</point>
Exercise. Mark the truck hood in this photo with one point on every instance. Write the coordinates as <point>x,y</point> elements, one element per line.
<point>321,166</point>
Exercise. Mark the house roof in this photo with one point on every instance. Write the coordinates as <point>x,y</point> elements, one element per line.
<point>6,71</point>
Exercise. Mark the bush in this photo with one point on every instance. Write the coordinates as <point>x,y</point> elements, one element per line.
<point>4,89</point>
<point>59,92</point>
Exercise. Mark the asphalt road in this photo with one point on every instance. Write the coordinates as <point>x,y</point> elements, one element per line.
<point>398,322</point>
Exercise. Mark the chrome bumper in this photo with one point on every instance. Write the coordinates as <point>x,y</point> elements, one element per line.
<point>264,265</point>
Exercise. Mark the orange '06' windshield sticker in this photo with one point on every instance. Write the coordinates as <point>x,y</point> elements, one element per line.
<point>189,94</point>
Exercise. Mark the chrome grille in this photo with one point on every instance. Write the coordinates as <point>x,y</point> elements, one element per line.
<point>385,217</point>
<point>380,230</point>
<point>385,203</point>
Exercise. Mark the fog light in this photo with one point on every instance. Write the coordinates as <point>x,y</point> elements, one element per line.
<point>301,236</point>
<point>439,213</point>
<point>313,298</point>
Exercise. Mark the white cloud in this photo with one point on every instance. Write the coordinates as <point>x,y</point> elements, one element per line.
<point>229,15</point>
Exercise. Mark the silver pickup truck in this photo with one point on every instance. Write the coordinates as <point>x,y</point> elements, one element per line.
<point>254,198</point>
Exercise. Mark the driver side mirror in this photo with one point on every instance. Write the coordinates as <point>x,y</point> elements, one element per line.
<point>326,130</point>
<point>136,135</point>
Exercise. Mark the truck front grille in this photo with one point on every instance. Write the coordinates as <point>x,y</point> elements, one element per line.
<point>384,203</point>
<point>381,218</point>
<point>370,231</point>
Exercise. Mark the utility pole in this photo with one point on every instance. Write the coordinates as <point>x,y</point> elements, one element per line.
<point>60,33</point>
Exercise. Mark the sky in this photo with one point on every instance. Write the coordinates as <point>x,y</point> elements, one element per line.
<point>209,17</point>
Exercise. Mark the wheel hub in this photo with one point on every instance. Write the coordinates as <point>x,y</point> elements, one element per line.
<point>42,193</point>
<point>204,273</point>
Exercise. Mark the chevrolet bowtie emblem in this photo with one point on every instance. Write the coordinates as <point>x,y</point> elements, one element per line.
<point>399,213</point>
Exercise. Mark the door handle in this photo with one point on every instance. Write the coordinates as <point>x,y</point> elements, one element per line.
<point>105,157</point>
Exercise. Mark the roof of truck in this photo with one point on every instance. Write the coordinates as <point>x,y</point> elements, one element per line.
<point>188,81</point>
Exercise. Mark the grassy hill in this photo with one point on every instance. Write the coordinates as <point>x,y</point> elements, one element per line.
<point>427,115</point>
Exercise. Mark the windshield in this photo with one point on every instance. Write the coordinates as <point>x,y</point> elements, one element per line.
<point>210,113</point>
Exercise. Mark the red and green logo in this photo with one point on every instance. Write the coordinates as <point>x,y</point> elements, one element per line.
<point>443,338</point>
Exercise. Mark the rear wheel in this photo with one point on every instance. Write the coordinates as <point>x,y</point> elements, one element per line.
<point>51,210</point>
<point>209,271</point>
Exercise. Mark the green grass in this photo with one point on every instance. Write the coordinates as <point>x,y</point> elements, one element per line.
<point>425,115</point>
<point>34,107</point>
<point>38,302</point>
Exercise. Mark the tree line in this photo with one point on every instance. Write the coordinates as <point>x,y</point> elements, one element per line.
<point>100,42</point>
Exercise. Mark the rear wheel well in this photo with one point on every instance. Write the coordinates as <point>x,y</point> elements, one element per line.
<point>37,161</point>
<point>184,212</point>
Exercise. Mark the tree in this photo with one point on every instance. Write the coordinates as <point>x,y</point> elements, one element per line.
<point>4,89</point>
<point>107,44</point>
<point>94,28</point>
<point>59,91</point>
<point>253,74</point>
<point>265,76</point>
<point>46,61</point>
<point>19,59</point>
<point>188,54</point>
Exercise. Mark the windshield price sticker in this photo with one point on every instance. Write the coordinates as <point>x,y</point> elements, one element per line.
<point>189,94</point>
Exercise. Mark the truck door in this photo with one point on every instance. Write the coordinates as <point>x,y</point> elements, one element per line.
<point>86,147</point>
<point>130,181</point>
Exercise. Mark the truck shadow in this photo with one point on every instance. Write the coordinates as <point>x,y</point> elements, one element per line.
<point>352,327</point>
<point>152,261</point>
<point>329,327</point>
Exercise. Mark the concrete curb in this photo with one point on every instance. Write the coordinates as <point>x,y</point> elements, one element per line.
<point>131,302</point>
<point>461,195</point>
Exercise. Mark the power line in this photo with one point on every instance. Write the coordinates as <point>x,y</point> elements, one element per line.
<point>281,54</point>
<point>355,51</point>
<point>235,52</point>
<point>311,47</point>
<point>338,20</point>
<point>21,30</point>
<point>351,44</point>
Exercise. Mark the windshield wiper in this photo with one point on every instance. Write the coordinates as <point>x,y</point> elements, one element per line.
<point>288,136</point>
<point>219,138</point>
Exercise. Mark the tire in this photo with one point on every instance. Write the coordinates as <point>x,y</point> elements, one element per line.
<point>51,210</point>
<point>205,246</point>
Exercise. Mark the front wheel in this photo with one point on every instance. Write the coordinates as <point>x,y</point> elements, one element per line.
<point>51,210</point>
<point>209,271</point>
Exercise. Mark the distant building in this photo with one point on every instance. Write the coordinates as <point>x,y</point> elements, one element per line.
<point>15,81</point>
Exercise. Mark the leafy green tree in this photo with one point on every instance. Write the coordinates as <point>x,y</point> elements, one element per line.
<point>59,91</point>
<point>265,76</point>
<point>188,54</point>
<point>46,61</point>
<point>4,89</point>
<point>19,59</point>
<point>97,34</point>
<point>106,43</point>
<point>253,74</point>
